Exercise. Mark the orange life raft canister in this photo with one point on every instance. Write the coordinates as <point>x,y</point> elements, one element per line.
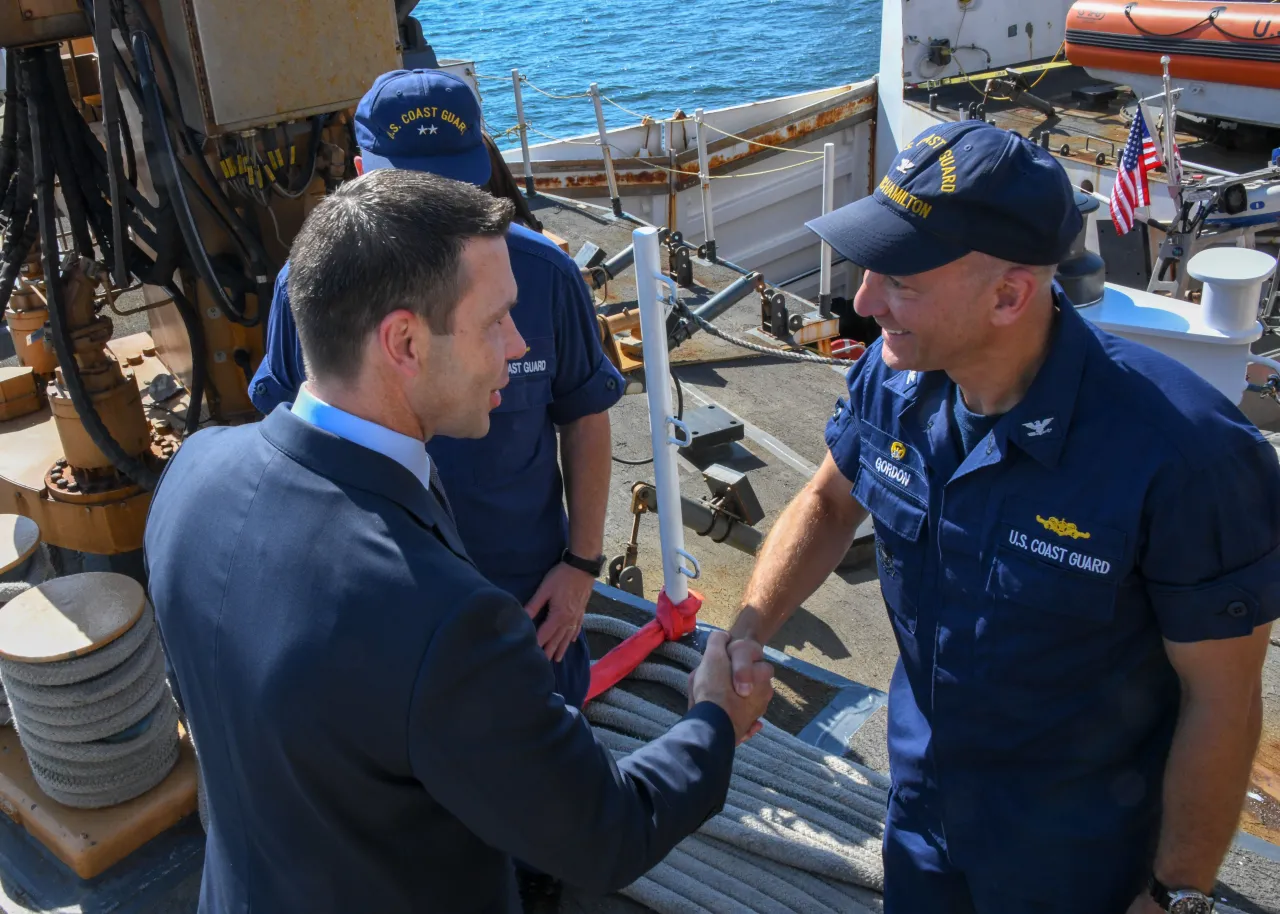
<point>1233,43</point>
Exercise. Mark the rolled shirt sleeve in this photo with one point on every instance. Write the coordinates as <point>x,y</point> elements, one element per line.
<point>586,382</point>
<point>842,433</point>
<point>281,371</point>
<point>1211,557</point>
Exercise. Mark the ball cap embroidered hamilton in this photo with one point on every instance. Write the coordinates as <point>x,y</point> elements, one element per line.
<point>956,188</point>
<point>423,120</point>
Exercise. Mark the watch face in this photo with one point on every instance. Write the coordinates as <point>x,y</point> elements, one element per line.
<point>1190,903</point>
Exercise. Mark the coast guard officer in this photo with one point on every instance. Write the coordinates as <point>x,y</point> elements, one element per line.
<point>506,489</point>
<point>1076,541</point>
<point>378,728</point>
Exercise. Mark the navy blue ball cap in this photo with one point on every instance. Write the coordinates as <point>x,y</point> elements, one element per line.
<point>956,188</point>
<point>422,120</point>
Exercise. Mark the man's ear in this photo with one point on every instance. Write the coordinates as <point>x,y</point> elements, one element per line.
<point>1015,291</point>
<point>359,162</point>
<point>399,340</point>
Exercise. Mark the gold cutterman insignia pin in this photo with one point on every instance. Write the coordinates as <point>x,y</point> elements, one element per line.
<point>1062,527</point>
<point>898,450</point>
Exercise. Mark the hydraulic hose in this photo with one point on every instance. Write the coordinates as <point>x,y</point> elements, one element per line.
<point>9,141</point>
<point>130,466</point>
<point>170,174</point>
<point>195,334</point>
<point>138,20</point>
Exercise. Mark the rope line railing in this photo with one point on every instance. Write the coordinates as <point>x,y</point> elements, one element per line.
<point>524,79</point>
<point>743,139</point>
<point>698,170</point>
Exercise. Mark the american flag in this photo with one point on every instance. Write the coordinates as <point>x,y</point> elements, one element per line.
<point>1130,191</point>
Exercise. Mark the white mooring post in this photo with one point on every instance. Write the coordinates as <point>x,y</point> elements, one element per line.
<point>828,203</point>
<point>606,152</point>
<point>653,327</point>
<point>524,133</point>
<point>704,177</point>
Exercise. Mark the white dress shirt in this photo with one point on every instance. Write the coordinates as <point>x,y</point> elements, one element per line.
<point>410,453</point>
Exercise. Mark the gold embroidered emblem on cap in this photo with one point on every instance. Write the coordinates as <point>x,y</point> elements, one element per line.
<point>898,450</point>
<point>1062,527</point>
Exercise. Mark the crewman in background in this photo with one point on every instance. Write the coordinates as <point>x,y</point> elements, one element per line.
<point>506,490</point>
<point>1077,543</point>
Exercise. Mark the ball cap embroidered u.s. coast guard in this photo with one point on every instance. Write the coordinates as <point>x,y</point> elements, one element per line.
<point>423,120</point>
<point>956,188</point>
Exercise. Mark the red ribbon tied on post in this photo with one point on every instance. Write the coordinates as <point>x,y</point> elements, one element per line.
<point>674,621</point>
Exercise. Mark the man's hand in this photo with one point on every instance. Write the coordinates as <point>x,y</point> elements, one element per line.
<point>744,653</point>
<point>567,590</point>
<point>713,681</point>
<point>1144,904</point>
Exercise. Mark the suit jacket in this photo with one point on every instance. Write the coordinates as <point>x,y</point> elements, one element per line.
<point>376,726</point>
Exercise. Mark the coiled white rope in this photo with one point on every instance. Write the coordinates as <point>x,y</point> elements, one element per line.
<point>801,830</point>
<point>99,729</point>
<point>35,570</point>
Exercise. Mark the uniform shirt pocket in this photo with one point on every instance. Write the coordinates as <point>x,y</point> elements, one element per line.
<point>899,523</point>
<point>1052,588</point>
<point>529,377</point>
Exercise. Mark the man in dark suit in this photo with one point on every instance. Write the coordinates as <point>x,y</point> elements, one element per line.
<point>377,727</point>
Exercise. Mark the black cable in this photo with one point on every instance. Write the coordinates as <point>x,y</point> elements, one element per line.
<point>23,226</point>
<point>17,201</point>
<point>130,466</point>
<point>195,334</point>
<point>679,415</point>
<point>137,19</point>
<point>9,140</point>
<point>170,175</point>
<point>80,195</point>
<point>15,254</point>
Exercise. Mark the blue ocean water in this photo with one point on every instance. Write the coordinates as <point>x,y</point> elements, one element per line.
<point>653,57</point>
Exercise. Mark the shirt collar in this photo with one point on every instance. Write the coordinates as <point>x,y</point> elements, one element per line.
<point>1038,424</point>
<point>410,453</point>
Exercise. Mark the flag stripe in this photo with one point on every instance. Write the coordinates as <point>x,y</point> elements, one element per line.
<point>1130,190</point>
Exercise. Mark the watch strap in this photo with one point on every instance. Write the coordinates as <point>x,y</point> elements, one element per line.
<point>1165,897</point>
<point>590,566</point>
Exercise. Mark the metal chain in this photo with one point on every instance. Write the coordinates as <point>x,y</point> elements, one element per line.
<point>766,350</point>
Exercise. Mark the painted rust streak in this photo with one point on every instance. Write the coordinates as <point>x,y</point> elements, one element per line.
<point>792,134</point>
<point>598,179</point>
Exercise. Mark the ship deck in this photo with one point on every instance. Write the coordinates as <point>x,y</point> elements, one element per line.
<point>1089,120</point>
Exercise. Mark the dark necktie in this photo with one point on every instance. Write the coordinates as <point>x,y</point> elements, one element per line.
<point>437,489</point>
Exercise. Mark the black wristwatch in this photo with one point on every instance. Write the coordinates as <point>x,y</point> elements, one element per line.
<point>1180,901</point>
<point>590,566</point>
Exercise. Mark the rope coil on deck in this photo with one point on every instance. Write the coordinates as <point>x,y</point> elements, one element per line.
<point>101,728</point>
<point>17,581</point>
<point>767,350</point>
<point>801,830</point>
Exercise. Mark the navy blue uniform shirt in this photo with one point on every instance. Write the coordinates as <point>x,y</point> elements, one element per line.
<point>505,489</point>
<point>1030,583</point>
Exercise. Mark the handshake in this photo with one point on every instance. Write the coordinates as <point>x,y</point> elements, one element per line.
<point>735,676</point>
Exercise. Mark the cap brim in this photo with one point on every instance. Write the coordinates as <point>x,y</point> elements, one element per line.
<point>471,167</point>
<point>871,235</point>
